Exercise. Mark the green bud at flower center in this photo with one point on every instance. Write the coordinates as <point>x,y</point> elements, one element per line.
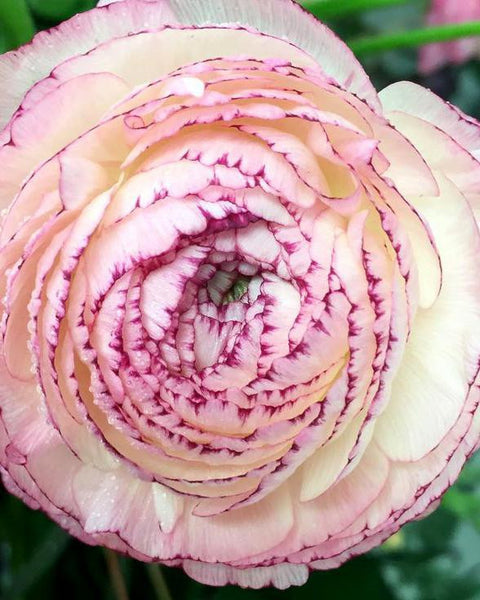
<point>237,290</point>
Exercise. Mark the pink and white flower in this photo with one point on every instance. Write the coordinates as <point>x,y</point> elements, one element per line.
<point>241,306</point>
<point>442,12</point>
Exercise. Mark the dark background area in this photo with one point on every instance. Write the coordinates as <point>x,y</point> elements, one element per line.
<point>437,558</point>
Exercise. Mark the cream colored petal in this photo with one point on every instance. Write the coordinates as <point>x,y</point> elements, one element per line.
<point>418,101</point>
<point>430,389</point>
<point>24,67</point>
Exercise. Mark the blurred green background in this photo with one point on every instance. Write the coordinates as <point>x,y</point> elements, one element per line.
<point>437,558</point>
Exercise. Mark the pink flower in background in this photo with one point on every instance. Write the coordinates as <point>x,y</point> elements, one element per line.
<point>241,296</point>
<point>442,12</point>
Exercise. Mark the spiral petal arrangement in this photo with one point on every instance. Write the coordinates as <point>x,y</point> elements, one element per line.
<point>241,309</point>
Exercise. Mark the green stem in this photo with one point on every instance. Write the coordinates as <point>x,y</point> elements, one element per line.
<point>116,575</point>
<point>158,582</point>
<point>327,9</point>
<point>414,37</point>
<point>16,22</point>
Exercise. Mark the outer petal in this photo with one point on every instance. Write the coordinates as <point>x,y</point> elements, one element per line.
<point>39,133</point>
<point>281,18</point>
<point>429,123</point>
<point>433,381</point>
<point>417,101</point>
<point>24,67</point>
<point>280,576</point>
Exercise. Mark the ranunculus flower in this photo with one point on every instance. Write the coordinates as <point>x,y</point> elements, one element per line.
<point>241,304</point>
<point>442,12</point>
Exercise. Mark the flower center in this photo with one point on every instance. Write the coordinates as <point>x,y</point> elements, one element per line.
<point>226,287</point>
<point>237,290</point>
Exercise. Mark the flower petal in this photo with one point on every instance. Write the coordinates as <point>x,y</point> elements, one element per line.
<point>433,380</point>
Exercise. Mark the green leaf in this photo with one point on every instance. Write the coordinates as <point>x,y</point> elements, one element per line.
<point>16,24</point>
<point>415,37</point>
<point>328,9</point>
<point>59,10</point>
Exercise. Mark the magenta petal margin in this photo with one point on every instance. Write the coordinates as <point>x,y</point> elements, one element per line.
<point>240,327</point>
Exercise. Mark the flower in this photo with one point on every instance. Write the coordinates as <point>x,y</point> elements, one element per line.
<point>442,12</point>
<point>241,315</point>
